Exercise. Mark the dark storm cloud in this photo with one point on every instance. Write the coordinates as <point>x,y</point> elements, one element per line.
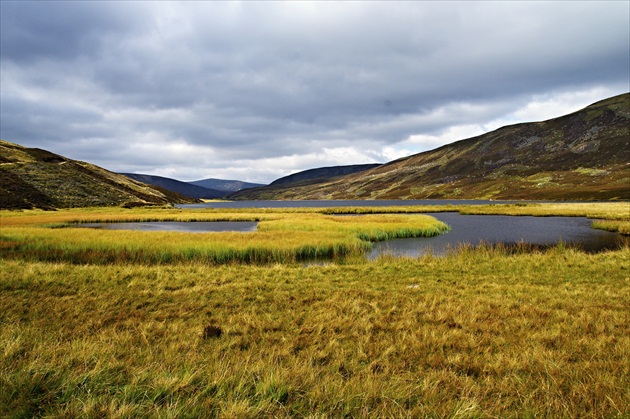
<point>227,89</point>
<point>32,30</point>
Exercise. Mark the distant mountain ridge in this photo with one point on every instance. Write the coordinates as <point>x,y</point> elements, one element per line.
<point>320,173</point>
<point>225,185</point>
<point>184,188</point>
<point>581,156</point>
<point>36,178</point>
<point>215,189</point>
<point>303,178</point>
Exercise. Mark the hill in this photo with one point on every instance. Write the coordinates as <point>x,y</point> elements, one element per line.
<point>304,178</point>
<point>36,178</point>
<point>223,185</point>
<point>581,156</point>
<point>183,188</point>
<point>322,173</point>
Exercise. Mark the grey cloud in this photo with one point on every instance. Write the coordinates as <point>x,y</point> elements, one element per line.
<point>253,81</point>
<point>59,30</point>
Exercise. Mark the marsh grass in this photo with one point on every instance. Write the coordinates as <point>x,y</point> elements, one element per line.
<point>610,216</point>
<point>283,236</point>
<point>479,333</point>
<point>622,226</point>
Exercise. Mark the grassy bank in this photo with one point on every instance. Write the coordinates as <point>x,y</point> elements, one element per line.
<point>610,216</point>
<point>479,334</point>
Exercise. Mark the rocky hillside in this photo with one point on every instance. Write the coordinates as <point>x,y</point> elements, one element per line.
<point>581,156</point>
<point>35,178</point>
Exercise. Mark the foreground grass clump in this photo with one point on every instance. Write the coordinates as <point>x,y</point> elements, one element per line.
<point>476,334</point>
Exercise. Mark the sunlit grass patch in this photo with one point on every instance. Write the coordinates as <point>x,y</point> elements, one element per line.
<point>591,171</point>
<point>604,210</point>
<point>610,216</point>
<point>622,227</point>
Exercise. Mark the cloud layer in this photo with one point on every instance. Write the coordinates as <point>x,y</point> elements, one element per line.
<point>255,91</point>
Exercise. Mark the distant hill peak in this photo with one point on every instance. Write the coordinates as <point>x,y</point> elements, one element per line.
<point>225,185</point>
<point>177,186</point>
<point>303,178</point>
<point>323,173</point>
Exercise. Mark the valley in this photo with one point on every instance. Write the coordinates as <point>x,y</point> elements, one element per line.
<point>293,317</point>
<point>314,209</point>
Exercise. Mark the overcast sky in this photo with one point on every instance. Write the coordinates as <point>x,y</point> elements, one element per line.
<point>255,91</point>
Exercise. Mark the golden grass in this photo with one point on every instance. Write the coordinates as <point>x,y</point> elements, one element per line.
<point>478,334</point>
<point>609,216</point>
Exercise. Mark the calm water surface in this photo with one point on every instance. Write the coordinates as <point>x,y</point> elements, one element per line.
<point>503,229</point>
<point>339,203</point>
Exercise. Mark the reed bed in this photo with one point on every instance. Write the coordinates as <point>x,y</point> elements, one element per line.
<point>283,236</point>
<point>69,217</point>
<point>620,226</point>
<point>610,216</point>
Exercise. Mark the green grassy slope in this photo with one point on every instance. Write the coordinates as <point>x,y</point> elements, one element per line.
<point>31,177</point>
<point>581,156</point>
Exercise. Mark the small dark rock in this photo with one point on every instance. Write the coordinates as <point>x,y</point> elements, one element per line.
<point>211,331</point>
